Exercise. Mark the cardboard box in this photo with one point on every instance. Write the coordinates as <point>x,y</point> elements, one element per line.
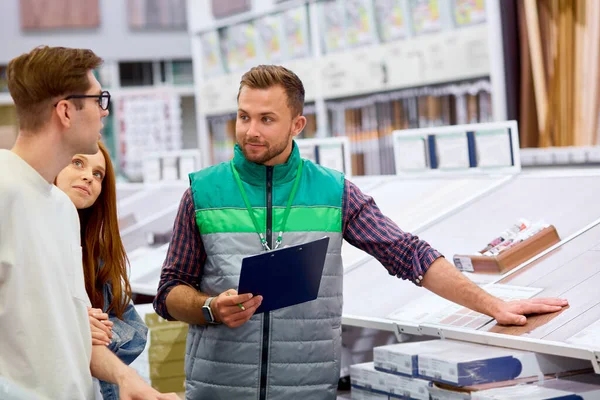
<point>402,358</point>
<point>366,377</point>
<point>169,385</point>
<point>154,320</point>
<point>401,387</point>
<point>511,257</point>
<point>166,352</point>
<point>465,364</point>
<point>169,369</point>
<point>162,362</point>
<point>578,387</point>
<point>168,334</point>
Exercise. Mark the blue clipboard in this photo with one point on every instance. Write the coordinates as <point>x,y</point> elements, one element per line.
<point>285,277</point>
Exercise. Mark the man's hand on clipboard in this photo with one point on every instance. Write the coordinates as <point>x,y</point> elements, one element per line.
<point>233,309</point>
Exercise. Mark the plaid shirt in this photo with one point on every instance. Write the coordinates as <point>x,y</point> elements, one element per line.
<point>363,226</point>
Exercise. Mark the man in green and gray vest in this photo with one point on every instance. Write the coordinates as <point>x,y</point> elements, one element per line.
<point>269,196</point>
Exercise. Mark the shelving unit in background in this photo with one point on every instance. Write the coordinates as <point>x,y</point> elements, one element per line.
<point>368,67</point>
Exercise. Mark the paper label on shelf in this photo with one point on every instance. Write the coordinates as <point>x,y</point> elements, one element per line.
<point>493,148</point>
<point>463,264</point>
<point>438,369</point>
<point>308,152</point>
<point>332,156</point>
<point>410,153</point>
<point>589,337</point>
<point>452,151</point>
<point>187,165</point>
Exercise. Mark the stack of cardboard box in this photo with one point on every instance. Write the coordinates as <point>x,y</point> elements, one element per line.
<point>451,370</point>
<point>162,362</point>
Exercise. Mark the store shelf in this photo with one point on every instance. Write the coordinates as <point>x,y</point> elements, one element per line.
<point>567,270</point>
<point>422,60</point>
<point>560,156</point>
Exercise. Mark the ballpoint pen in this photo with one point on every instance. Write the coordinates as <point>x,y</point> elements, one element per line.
<point>239,304</point>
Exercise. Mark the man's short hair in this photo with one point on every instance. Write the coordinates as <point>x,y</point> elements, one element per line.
<point>39,78</point>
<point>266,76</point>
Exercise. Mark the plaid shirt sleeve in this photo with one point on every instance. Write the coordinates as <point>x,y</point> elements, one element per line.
<point>365,227</point>
<point>185,256</point>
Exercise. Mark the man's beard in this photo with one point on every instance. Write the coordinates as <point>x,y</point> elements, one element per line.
<point>272,151</point>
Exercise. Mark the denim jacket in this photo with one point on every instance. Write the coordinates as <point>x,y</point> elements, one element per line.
<point>128,341</point>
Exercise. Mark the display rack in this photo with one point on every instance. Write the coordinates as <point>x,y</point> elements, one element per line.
<point>559,198</point>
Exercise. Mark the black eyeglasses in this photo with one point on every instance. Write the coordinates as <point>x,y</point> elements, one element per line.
<point>102,98</point>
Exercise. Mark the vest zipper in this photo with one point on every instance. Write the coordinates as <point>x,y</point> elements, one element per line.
<point>264,366</point>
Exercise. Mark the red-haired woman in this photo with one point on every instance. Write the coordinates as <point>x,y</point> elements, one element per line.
<point>89,181</point>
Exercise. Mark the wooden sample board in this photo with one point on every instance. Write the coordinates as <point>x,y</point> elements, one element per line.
<point>571,271</point>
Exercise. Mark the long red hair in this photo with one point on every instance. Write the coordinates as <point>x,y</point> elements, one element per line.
<point>101,243</point>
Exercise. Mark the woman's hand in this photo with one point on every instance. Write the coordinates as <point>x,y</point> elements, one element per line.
<point>100,326</point>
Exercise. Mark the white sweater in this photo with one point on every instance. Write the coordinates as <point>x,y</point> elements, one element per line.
<point>45,340</point>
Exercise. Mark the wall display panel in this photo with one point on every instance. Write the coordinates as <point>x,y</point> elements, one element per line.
<point>45,15</point>
<point>332,21</point>
<point>469,12</point>
<point>269,33</point>
<point>391,19</point>
<point>148,123</point>
<point>295,26</point>
<point>239,45</point>
<point>425,16</point>
<point>212,62</point>
<point>359,22</point>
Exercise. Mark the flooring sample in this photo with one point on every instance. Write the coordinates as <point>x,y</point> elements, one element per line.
<point>572,272</point>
